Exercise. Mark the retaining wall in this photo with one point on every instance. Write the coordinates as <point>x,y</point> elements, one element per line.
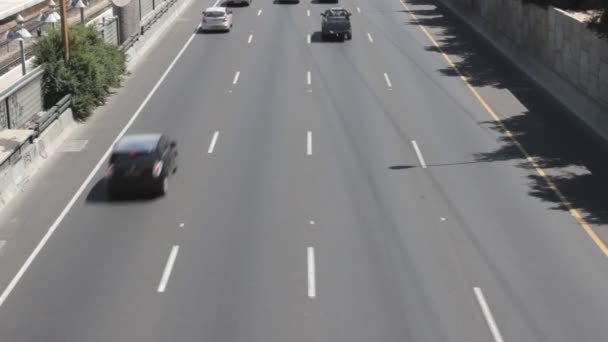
<point>14,177</point>
<point>554,48</point>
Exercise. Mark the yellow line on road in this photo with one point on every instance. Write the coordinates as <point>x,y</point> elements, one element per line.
<point>577,216</point>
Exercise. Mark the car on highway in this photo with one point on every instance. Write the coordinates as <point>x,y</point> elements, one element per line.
<point>336,24</point>
<point>216,19</point>
<point>141,163</point>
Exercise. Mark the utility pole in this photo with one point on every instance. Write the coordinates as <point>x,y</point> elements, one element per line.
<point>64,31</point>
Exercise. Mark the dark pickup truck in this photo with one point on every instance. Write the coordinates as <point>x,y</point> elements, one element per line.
<point>336,23</point>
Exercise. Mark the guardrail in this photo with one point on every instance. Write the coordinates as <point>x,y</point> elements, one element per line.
<point>168,4</point>
<point>127,44</point>
<point>41,124</point>
<point>51,115</point>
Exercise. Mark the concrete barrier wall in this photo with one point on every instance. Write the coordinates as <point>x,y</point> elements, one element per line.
<point>553,37</point>
<point>552,47</point>
<point>14,177</point>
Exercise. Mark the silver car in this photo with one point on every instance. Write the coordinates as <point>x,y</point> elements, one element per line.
<point>216,19</point>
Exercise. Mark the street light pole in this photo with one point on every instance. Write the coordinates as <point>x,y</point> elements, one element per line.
<point>64,31</point>
<point>81,5</point>
<point>23,69</point>
<point>20,34</point>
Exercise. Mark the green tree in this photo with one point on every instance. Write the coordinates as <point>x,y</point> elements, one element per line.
<point>95,67</point>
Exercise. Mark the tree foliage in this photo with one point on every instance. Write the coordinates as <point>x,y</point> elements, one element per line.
<point>93,69</point>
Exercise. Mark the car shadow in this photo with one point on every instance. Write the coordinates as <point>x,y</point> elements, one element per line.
<point>99,194</point>
<point>401,167</point>
<point>282,2</point>
<point>317,2</point>
<point>212,32</point>
<point>317,37</point>
<point>231,4</point>
<point>573,157</point>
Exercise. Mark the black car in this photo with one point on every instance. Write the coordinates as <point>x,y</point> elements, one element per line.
<point>336,23</point>
<point>141,163</point>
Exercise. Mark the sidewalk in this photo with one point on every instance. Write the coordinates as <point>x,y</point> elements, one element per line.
<point>11,7</point>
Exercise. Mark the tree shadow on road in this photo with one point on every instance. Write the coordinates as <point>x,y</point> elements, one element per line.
<point>574,158</point>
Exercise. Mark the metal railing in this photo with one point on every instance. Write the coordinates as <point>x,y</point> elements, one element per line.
<point>127,44</point>
<point>41,124</point>
<point>146,26</point>
<point>51,115</point>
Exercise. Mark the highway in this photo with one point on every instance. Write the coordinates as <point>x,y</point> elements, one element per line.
<point>346,192</point>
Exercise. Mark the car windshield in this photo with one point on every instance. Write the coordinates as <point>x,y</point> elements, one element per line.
<point>214,14</point>
<point>337,14</point>
<point>137,144</point>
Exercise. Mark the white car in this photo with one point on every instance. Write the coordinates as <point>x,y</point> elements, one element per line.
<point>216,19</point>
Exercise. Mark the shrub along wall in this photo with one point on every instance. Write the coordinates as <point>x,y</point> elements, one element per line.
<point>94,68</point>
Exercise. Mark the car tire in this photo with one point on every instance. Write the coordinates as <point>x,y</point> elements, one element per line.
<point>163,186</point>
<point>112,194</point>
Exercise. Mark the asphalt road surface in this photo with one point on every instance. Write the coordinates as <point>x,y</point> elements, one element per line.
<point>326,191</point>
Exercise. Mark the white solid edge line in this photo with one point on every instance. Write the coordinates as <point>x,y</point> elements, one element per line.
<point>485,308</point>
<point>308,78</point>
<point>312,286</point>
<point>419,154</point>
<point>168,267</point>
<point>309,143</point>
<point>369,36</point>
<point>250,39</point>
<point>7,291</point>
<point>259,12</point>
<point>388,81</point>
<point>236,77</point>
<point>213,142</point>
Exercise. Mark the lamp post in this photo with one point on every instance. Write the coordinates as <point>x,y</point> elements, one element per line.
<point>81,5</point>
<point>51,16</point>
<point>64,31</point>
<point>19,34</point>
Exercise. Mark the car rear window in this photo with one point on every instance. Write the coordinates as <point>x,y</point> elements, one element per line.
<point>214,14</point>
<point>137,158</point>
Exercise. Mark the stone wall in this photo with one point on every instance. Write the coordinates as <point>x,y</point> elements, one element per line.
<point>552,37</point>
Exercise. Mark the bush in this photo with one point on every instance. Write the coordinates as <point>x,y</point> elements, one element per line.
<point>94,68</point>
